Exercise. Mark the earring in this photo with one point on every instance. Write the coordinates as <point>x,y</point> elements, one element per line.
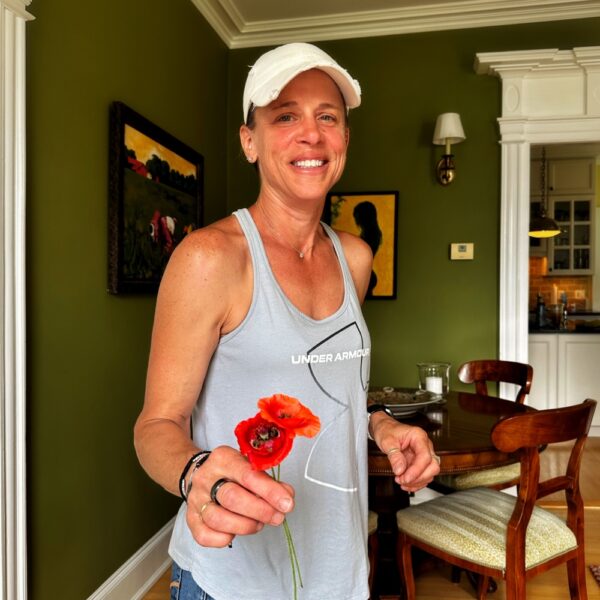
<point>250,159</point>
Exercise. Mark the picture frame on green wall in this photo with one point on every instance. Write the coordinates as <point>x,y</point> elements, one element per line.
<point>155,199</point>
<point>372,216</point>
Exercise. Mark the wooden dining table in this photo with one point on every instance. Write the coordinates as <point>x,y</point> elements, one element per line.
<point>459,427</point>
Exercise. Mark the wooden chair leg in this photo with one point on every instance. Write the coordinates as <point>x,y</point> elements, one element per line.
<point>404,554</point>
<point>475,580</point>
<point>515,585</point>
<point>482,587</point>
<point>373,557</point>
<point>576,573</point>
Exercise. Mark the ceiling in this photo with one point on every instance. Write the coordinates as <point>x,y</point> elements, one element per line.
<point>248,23</point>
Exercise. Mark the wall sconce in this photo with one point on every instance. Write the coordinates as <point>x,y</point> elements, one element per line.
<point>448,130</point>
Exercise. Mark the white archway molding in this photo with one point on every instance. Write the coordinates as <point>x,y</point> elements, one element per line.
<point>548,97</point>
<point>13,507</point>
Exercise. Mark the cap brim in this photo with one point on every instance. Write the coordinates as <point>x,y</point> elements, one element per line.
<point>271,90</point>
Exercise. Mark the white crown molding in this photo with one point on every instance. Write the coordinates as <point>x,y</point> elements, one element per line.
<point>537,62</point>
<point>218,19</point>
<point>227,21</point>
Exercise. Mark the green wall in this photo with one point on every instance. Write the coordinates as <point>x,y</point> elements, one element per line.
<point>445,310</point>
<point>90,505</point>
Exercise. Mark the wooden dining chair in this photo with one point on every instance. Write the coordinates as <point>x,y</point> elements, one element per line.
<point>480,372</point>
<point>497,535</point>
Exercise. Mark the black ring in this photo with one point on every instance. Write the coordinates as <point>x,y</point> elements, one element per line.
<point>215,488</point>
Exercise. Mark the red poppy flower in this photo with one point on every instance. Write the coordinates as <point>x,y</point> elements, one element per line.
<point>267,438</point>
<point>290,414</point>
<point>263,442</point>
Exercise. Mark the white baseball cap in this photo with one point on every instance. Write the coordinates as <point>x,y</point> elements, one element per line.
<point>276,68</point>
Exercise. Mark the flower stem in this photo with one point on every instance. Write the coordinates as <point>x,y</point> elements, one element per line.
<point>296,575</point>
<point>290,543</point>
<point>292,548</point>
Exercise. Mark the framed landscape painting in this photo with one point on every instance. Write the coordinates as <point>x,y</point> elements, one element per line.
<point>373,217</point>
<point>155,199</point>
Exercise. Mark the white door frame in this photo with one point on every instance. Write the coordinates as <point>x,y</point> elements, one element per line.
<point>13,507</point>
<point>548,97</point>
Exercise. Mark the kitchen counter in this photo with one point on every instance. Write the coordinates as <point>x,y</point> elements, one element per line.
<point>578,329</point>
<point>577,322</point>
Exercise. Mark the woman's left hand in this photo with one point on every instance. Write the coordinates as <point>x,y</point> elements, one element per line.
<point>409,450</point>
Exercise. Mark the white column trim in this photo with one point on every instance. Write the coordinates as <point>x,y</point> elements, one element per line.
<point>514,223</point>
<point>13,506</point>
<point>551,97</point>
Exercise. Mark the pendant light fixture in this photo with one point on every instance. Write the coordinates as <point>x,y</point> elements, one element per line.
<point>542,226</point>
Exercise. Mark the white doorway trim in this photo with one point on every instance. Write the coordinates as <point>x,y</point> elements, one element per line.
<point>548,97</point>
<point>13,506</point>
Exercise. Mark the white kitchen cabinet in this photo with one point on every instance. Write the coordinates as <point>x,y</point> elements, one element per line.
<point>572,251</point>
<point>563,176</point>
<point>566,370</point>
<point>543,357</point>
<point>571,175</point>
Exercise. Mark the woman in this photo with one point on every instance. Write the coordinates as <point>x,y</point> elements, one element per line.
<point>365,216</point>
<point>242,304</point>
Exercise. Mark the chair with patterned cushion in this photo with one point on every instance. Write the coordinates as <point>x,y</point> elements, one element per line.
<point>373,542</point>
<point>480,372</point>
<point>497,535</point>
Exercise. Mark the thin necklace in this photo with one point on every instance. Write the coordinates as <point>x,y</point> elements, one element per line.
<point>300,253</point>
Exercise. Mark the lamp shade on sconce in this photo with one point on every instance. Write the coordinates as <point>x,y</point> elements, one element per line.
<point>448,131</point>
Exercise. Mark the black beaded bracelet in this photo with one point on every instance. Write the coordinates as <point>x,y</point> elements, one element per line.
<point>196,461</point>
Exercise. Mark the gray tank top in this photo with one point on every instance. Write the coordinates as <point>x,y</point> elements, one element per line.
<point>325,364</point>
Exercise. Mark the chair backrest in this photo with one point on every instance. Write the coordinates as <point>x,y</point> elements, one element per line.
<point>526,434</point>
<point>480,372</point>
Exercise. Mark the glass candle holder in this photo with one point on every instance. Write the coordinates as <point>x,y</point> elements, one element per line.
<point>434,377</point>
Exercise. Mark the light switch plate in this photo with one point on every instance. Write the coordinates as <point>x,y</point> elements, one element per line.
<point>462,251</point>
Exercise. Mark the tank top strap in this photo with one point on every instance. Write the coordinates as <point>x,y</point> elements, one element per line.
<point>339,250</point>
<point>257,250</point>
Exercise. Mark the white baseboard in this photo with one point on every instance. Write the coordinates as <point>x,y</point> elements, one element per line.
<point>133,579</point>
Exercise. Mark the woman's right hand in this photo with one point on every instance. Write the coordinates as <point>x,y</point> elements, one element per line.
<point>246,502</point>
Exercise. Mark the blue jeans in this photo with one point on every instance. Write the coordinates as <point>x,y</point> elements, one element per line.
<point>183,586</point>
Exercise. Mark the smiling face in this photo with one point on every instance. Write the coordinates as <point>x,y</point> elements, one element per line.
<point>300,139</point>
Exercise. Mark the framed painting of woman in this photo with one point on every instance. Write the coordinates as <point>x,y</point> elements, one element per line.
<point>373,217</point>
